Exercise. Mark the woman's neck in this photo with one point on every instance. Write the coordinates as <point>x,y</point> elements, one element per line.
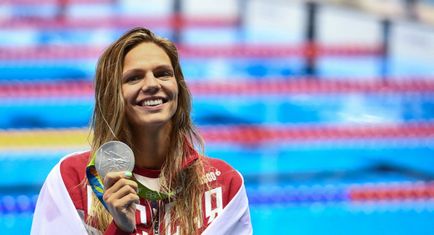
<point>151,146</point>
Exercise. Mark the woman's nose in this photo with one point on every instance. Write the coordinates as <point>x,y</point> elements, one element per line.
<point>150,84</point>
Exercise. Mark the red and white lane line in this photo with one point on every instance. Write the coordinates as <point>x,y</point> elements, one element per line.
<point>288,86</point>
<point>171,21</point>
<point>63,52</point>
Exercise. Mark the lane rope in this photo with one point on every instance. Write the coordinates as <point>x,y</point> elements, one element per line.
<point>288,86</point>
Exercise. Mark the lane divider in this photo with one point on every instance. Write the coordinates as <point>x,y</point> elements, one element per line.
<point>119,21</point>
<point>420,191</point>
<point>381,194</point>
<point>288,86</point>
<point>251,135</point>
<point>356,193</point>
<point>55,52</point>
<point>53,2</point>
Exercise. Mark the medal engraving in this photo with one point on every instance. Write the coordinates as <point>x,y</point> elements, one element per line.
<point>114,156</point>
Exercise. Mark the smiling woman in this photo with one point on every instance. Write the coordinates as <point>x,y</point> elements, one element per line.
<point>142,100</point>
<point>149,87</point>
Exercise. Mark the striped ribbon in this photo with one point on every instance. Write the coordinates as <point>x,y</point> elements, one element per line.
<point>95,181</point>
<point>98,187</point>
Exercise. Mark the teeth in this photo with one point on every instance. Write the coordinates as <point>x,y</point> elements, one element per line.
<point>152,102</point>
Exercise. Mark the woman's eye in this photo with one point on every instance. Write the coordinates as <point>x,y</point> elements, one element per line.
<point>133,78</point>
<point>164,73</point>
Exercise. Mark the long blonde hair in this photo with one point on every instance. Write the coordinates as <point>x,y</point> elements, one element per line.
<point>109,123</point>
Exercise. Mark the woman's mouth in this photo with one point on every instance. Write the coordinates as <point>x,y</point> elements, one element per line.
<point>151,102</point>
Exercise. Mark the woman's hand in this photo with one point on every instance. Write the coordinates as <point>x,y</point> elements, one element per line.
<point>121,198</point>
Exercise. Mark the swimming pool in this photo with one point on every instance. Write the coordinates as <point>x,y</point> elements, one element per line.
<point>348,150</point>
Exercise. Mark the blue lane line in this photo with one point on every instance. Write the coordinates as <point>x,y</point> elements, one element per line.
<point>290,196</point>
<point>298,196</point>
<point>17,204</point>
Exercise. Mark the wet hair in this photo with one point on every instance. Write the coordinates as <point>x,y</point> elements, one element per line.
<point>109,122</point>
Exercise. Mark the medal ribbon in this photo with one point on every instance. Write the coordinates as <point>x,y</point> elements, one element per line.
<point>98,187</point>
<point>95,181</point>
<point>146,193</point>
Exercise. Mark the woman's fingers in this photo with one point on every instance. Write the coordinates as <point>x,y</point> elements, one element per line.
<point>125,202</point>
<point>112,177</point>
<point>121,197</point>
<point>120,189</point>
<point>117,186</point>
<point>122,184</point>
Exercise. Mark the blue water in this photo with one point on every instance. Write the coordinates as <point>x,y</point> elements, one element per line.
<point>358,108</point>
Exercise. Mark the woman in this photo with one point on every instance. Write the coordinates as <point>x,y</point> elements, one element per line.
<point>141,99</point>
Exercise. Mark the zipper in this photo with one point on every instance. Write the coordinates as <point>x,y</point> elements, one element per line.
<point>156,210</point>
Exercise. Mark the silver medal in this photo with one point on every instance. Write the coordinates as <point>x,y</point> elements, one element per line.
<point>114,156</point>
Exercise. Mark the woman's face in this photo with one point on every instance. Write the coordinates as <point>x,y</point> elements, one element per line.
<point>149,86</point>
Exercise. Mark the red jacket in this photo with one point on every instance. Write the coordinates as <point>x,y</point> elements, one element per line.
<point>224,183</point>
